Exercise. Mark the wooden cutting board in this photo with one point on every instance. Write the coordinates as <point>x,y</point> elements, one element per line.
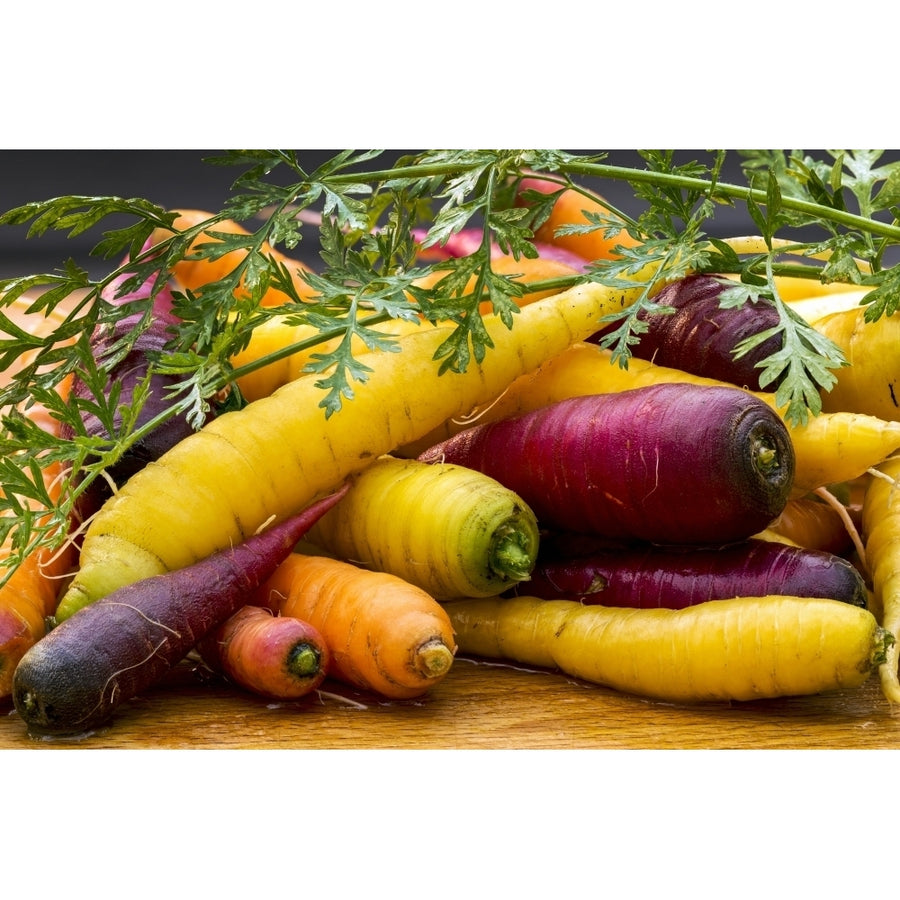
<point>478,706</point>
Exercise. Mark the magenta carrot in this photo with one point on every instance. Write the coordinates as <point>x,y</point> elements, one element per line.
<point>281,657</point>
<point>700,337</point>
<point>650,576</point>
<point>668,463</point>
<point>73,679</point>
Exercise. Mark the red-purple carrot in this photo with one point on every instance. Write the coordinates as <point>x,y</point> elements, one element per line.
<point>74,679</point>
<point>674,577</point>
<point>671,463</point>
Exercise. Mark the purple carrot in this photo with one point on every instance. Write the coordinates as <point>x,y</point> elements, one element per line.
<point>668,463</point>
<point>129,372</point>
<point>73,679</point>
<point>672,577</point>
<point>700,337</point>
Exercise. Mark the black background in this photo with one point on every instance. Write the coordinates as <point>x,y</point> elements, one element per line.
<point>183,178</point>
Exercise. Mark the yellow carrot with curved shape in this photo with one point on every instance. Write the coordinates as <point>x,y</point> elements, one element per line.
<point>274,456</point>
<point>742,648</point>
<point>830,448</point>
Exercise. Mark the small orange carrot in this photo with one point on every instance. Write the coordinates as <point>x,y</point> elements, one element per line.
<point>383,634</point>
<point>281,657</point>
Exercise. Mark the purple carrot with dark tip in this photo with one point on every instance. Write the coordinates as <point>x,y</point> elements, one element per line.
<point>73,679</point>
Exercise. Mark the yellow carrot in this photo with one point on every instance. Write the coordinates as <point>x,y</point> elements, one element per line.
<point>274,456</point>
<point>744,648</point>
<point>830,448</point>
<point>881,530</point>
<point>871,383</point>
<point>450,530</point>
<point>277,332</point>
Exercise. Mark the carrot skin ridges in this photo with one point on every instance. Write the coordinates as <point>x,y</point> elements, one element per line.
<point>666,463</point>
<point>280,657</point>
<point>383,634</point>
<point>450,530</point>
<point>743,648</point>
<point>648,577</point>
<point>74,679</point>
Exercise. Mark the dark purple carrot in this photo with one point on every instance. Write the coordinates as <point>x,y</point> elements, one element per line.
<point>674,577</point>
<point>128,373</point>
<point>73,679</point>
<point>700,336</point>
<point>668,463</point>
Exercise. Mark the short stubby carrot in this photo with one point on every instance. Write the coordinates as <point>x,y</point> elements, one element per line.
<point>451,530</point>
<point>383,634</point>
<point>275,455</point>
<point>280,657</point>
<point>742,648</point>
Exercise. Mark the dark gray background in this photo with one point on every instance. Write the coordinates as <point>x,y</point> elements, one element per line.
<point>181,178</point>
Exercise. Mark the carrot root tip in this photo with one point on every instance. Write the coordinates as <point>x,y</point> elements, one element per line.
<point>304,660</point>
<point>433,659</point>
<point>512,557</point>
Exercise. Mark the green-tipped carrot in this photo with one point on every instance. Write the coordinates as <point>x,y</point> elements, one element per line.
<point>450,530</point>
<point>280,657</point>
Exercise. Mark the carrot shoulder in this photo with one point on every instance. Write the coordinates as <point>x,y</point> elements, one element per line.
<point>275,455</point>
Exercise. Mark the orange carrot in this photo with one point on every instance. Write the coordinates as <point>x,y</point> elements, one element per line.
<point>193,271</point>
<point>281,657</point>
<point>29,595</point>
<point>572,208</point>
<point>383,634</point>
<point>814,524</point>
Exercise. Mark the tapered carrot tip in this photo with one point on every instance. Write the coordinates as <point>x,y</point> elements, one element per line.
<point>433,659</point>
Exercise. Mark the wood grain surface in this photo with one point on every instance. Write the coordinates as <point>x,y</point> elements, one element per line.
<point>479,705</point>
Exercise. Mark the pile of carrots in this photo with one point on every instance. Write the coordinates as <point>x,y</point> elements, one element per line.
<point>424,528</point>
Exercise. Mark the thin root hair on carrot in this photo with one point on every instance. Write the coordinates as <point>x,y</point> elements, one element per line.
<point>852,530</point>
